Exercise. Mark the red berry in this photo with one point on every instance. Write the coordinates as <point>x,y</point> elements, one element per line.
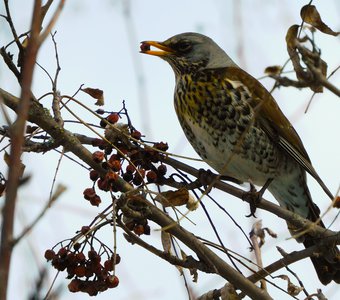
<point>115,165</point>
<point>49,254</point>
<point>161,146</point>
<point>139,229</point>
<point>89,193</point>
<point>62,253</point>
<point>113,118</point>
<point>111,176</point>
<point>162,170</point>
<point>103,184</point>
<point>98,156</point>
<point>151,176</point>
<point>136,134</point>
<point>85,229</point>
<point>108,265</point>
<point>92,254</point>
<point>112,281</point>
<point>95,201</point>
<point>80,257</point>
<point>80,271</point>
<point>73,286</point>
<point>130,168</point>
<point>94,175</point>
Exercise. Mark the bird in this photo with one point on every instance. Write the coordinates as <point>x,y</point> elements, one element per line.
<point>236,126</point>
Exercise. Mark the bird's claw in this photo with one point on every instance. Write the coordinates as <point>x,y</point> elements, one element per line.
<point>254,197</point>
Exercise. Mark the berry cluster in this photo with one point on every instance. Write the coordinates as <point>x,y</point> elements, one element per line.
<point>136,164</point>
<point>88,273</point>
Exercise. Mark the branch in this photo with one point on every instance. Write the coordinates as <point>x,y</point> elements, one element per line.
<point>14,171</point>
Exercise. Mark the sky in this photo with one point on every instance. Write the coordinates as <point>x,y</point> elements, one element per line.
<point>98,46</point>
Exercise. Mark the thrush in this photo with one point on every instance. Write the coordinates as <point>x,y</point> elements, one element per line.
<point>236,126</point>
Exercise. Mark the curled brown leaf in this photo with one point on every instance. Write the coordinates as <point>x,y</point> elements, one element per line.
<point>310,15</point>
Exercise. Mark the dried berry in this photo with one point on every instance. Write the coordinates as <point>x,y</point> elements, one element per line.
<point>95,201</point>
<point>161,170</point>
<point>94,175</point>
<point>115,165</point>
<point>127,176</point>
<point>103,184</point>
<point>50,254</point>
<point>85,229</point>
<point>111,177</point>
<point>80,271</point>
<point>139,229</point>
<point>73,286</point>
<point>89,193</point>
<point>80,257</point>
<point>98,156</point>
<point>113,118</point>
<point>112,281</point>
<point>161,146</point>
<point>130,168</point>
<point>136,134</point>
<point>62,253</point>
<point>151,176</point>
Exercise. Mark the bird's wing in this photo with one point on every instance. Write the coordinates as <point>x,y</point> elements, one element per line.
<point>273,121</point>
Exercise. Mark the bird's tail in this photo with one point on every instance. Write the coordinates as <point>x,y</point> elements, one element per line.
<point>327,261</point>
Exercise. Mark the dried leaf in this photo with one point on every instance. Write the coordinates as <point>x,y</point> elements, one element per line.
<point>96,94</point>
<point>270,232</point>
<point>291,36</point>
<point>273,70</point>
<point>166,241</point>
<point>174,198</point>
<point>194,274</point>
<point>192,203</point>
<point>293,289</point>
<point>310,15</point>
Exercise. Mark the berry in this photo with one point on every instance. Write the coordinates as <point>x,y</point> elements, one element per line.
<point>130,169</point>
<point>89,193</point>
<point>49,254</point>
<point>115,165</point>
<point>127,176</point>
<point>112,281</point>
<point>151,176</point>
<point>136,134</point>
<point>94,175</point>
<point>98,156</point>
<point>113,118</point>
<point>139,229</point>
<point>85,229</point>
<point>161,146</point>
<point>161,170</point>
<point>95,201</point>
<point>74,285</point>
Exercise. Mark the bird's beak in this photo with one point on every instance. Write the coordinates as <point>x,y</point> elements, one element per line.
<point>162,50</point>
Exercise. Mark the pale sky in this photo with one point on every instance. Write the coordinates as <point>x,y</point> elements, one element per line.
<point>98,46</point>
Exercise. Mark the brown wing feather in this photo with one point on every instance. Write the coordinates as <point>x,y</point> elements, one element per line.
<point>274,122</point>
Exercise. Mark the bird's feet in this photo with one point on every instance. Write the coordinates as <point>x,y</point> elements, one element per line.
<point>254,197</point>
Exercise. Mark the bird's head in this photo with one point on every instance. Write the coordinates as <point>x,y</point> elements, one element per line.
<point>188,53</point>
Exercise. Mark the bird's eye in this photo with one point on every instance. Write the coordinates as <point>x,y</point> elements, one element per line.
<point>183,46</point>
